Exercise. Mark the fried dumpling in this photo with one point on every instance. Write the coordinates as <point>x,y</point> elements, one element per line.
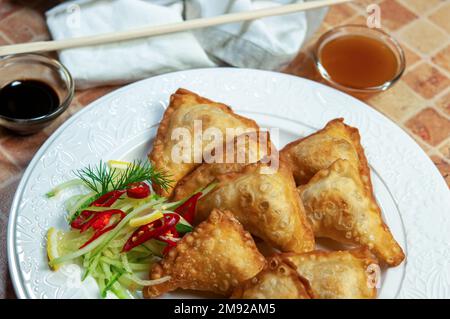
<point>278,280</point>
<point>352,274</point>
<point>217,256</point>
<point>244,149</point>
<point>176,149</point>
<point>336,140</point>
<point>266,202</point>
<point>339,207</point>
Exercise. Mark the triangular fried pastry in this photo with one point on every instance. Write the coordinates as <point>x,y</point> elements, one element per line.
<point>278,280</point>
<point>217,256</point>
<point>266,202</point>
<point>352,274</point>
<point>336,140</point>
<point>243,150</point>
<point>184,111</point>
<point>339,207</point>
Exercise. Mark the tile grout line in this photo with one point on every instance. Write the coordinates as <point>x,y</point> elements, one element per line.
<point>5,153</point>
<point>419,13</point>
<point>8,18</point>
<point>11,180</point>
<point>429,14</point>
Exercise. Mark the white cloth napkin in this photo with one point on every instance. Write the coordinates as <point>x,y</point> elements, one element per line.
<point>266,43</point>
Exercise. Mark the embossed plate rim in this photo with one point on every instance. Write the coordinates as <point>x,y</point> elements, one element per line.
<point>335,103</point>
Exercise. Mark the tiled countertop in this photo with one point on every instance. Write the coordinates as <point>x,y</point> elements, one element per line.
<point>419,102</point>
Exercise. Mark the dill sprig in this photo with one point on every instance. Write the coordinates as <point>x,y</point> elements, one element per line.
<point>101,179</point>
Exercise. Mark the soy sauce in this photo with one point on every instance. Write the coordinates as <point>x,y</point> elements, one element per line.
<point>27,99</point>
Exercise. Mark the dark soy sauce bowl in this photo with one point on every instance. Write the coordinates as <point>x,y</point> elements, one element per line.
<point>35,67</point>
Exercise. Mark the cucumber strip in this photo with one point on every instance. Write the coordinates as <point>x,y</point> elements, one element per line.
<point>183,228</point>
<point>109,284</point>
<point>110,261</point>
<point>155,247</point>
<point>139,249</point>
<point>86,260</point>
<point>124,222</point>
<point>79,252</point>
<point>125,263</point>
<point>106,269</point>
<point>117,243</point>
<point>143,283</point>
<point>139,267</point>
<point>91,267</point>
<point>72,183</point>
<point>121,292</point>
<point>207,189</point>
<point>128,284</point>
<point>108,253</point>
<point>101,282</point>
<point>83,201</point>
<point>72,200</point>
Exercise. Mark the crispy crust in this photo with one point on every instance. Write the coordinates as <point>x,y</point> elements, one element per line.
<point>303,174</point>
<point>337,274</point>
<point>217,256</point>
<point>180,99</point>
<point>266,204</point>
<point>353,206</point>
<point>206,173</point>
<point>278,280</point>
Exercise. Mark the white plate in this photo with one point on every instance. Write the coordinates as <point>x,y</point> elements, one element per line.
<point>413,196</point>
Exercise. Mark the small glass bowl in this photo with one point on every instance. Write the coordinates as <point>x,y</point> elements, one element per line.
<point>40,68</point>
<point>353,29</point>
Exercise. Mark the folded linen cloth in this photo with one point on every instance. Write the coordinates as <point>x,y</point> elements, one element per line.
<point>266,43</point>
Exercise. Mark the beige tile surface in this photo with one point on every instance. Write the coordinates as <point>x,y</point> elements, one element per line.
<point>426,80</point>
<point>441,16</point>
<point>407,102</point>
<point>424,36</point>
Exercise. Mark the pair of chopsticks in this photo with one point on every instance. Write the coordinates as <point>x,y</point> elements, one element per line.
<point>151,31</point>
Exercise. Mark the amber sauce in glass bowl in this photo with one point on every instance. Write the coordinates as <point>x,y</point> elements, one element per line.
<point>357,59</point>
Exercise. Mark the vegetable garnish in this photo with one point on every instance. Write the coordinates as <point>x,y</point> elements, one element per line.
<point>187,209</point>
<point>108,199</point>
<point>119,228</point>
<point>102,180</point>
<point>151,231</point>
<point>138,190</point>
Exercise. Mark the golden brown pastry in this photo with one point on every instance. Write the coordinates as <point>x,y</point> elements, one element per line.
<point>278,280</point>
<point>339,274</point>
<point>341,208</point>
<point>217,256</point>
<point>337,140</point>
<point>266,202</point>
<point>187,108</point>
<point>243,150</point>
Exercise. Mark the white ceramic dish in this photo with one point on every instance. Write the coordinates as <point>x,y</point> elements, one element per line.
<point>413,196</point>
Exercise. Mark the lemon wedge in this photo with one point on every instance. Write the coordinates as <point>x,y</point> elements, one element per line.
<point>120,165</point>
<point>52,246</point>
<point>146,219</point>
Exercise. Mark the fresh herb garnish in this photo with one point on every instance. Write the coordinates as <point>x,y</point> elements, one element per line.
<point>101,179</point>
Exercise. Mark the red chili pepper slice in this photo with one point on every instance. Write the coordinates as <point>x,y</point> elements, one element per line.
<point>99,220</point>
<point>151,230</point>
<point>187,209</point>
<point>98,233</point>
<point>108,199</point>
<point>170,245</point>
<point>81,219</point>
<point>166,238</point>
<point>138,190</point>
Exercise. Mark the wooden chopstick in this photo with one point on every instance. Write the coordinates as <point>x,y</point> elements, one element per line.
<point>150,31</point>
